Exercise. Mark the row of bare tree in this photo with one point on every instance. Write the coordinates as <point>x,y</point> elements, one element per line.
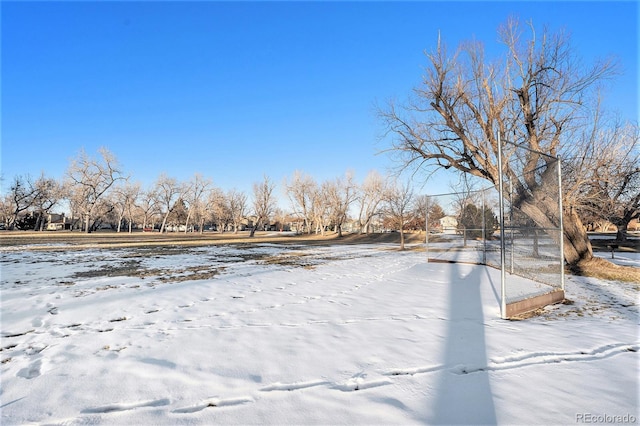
<point>98,192</point>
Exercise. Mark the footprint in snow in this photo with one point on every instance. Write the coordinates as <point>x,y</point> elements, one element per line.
<point>31,371</point>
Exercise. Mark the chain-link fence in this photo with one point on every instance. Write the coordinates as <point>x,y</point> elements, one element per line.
<point>466,227</point>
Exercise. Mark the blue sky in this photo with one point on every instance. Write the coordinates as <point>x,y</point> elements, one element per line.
<point>235,90</point>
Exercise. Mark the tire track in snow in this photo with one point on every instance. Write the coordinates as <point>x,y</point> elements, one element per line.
<point>538,358</point>
<point>524,360</point>
<point>293,386</point>
<point>212,402</point>
<point>126,406</point>
<point>359,381</point>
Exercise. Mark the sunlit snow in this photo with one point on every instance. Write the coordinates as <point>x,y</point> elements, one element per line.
<point>283,334</point>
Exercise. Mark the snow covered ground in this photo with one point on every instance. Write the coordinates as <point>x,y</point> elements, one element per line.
<point>275,334</point>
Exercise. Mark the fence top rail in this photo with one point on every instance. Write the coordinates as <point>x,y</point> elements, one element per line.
<point>463,192</point>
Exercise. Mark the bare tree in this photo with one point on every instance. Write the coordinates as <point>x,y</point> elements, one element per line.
<point>398,207</point>
<point>204,208</point>
<point>104,214</point>
<point>427,207</point>
<point>168,192</point>
<point>465,192</point>
<point>195,194</point>
<point>372,193</point>
<point>90,179</point>
<point>264,203</point>
<point>602,175</point>
<point>125,198</point>
<point>300,191</point>
<point>48,193</point>
<point>321,207</point>
<point>340,193</point>
<point>6,212</point>
<point>148,207</point>
<point>237,206</point>
<point>21,197</point>
<point>132,207</point>
<point>217,209</point>
<point>280,217</point>
<point>531,97</point>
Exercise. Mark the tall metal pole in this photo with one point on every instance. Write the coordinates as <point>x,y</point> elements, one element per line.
<point>503,301</point>
<point>484,236</point>
<point>511,223</point>
<point>559,165</point>
<point>426,230</point>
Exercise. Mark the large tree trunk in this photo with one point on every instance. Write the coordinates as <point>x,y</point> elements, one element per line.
<point>37,225</point>
<point>540,204</point>
<point>163,228</point>
<point>186,223</point>
<point>254,227</point>
<point>577,246</point>
<point>621,232</point>
<point>622,224</point>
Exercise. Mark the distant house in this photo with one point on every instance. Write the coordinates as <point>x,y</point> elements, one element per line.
<point>449,224</point>
<point>57,222</point>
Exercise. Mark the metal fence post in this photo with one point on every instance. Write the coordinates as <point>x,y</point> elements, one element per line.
<point>503,301</point>
<point>560,206</point>
<point>511,222</point>
<point>426,229</point>
<point>484,236</point>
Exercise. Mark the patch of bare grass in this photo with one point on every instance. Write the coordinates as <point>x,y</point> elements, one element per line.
<point>192,273</point>
<point>131,268</point>
<point>292,259</point>
<point>603,269</point>
<point>127,268</point>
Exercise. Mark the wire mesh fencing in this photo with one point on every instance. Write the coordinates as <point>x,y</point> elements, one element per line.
<point>526,244</point>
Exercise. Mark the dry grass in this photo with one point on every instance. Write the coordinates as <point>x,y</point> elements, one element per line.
<point>66,240</point>
<point>603,269</point>
<point>295,259</point>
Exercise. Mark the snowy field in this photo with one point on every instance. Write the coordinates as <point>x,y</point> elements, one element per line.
<point>276,334</point>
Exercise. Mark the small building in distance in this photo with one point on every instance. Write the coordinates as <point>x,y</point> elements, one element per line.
<point>449,224</point>
<point>57,222</point>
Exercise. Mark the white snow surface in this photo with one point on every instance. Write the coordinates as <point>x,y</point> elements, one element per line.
<point>277,334</point>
